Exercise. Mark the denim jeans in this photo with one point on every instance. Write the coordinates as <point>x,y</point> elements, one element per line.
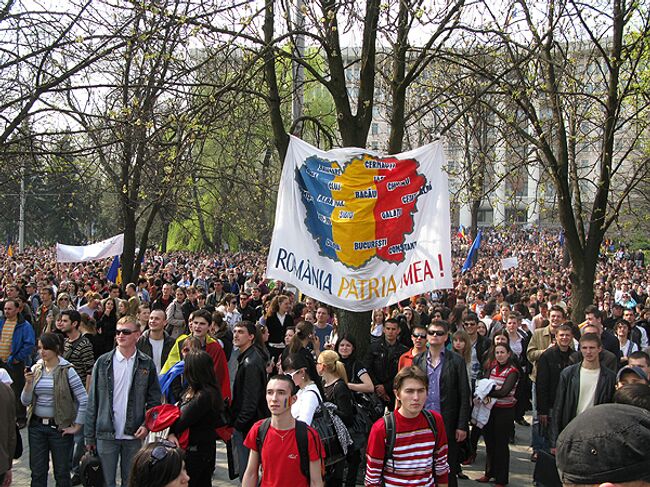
<point>110,451</point>
<point>43,441</point>
<point>241,452</point>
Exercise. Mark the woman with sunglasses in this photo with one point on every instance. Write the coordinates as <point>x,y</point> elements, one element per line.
<point>309,394</point>
<point>201,409</point>
<point>159,464</point>
<point>63,302</point>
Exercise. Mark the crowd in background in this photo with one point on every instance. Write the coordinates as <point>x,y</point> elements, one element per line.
<point>213,328</point>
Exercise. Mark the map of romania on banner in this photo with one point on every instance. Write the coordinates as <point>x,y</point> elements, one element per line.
<point>360,231</point>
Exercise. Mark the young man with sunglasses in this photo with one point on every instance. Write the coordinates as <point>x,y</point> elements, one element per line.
<point>419,339</point>
<point>280,454</point>
<point>124,385</point>
<point>448,392</point>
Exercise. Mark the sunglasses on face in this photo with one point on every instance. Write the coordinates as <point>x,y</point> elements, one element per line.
<point>438,333</point>
<point>418,335</point>
<point>124,331</point>
<point>470,323</point>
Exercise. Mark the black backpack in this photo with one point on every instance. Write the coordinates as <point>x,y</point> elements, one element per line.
<point>389,423</point>
<point>301,440</point>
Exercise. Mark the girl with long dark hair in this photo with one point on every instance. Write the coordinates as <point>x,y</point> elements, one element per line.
<point>201,408</point>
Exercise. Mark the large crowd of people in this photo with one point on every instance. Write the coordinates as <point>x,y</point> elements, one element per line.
<point>222,353</point>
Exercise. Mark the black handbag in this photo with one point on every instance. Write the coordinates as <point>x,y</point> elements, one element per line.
<point>371,403</point>
<point>360,426</point>
<point>333,433</point>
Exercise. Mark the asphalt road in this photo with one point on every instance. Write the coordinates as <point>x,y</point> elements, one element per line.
<point>521,469</point>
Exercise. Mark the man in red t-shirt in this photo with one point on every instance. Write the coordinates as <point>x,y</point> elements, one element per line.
<point>280,456</point>
<point>419,457</point>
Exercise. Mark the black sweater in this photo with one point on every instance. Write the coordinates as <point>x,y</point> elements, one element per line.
<point>201,415</point>
<point>339,394</point>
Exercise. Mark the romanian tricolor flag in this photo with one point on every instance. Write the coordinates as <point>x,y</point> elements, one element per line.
<point>10,251</point>
<point>461,232</point>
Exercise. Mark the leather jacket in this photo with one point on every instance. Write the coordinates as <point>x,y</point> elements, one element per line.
<point>568,392</point>
<point>454,390</point>
<point>249,396</point>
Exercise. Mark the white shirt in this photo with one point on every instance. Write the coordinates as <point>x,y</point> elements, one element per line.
<point>588,384</point>
<point>122,378</point>
<point>156,350</point>
<point>306,404</point>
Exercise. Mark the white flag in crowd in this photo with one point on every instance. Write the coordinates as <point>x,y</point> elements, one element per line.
<point>359,230</point>
<point>84,253</point>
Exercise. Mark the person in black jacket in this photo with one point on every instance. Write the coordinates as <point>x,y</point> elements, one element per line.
<point>549,367</point>
<point>582,385</point>
<point>382,360</point>
<point>249,397</point>
<point>201,410</point>
<point>451,397</point>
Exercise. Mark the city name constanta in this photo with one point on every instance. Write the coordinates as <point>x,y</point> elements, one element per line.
<point>359,289</point>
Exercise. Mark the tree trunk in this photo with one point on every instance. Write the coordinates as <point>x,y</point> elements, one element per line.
<point>165,236</point>
<point>128,254</point>
<point>582,288</point>
<point>356,324</point>
<point>476,204</point>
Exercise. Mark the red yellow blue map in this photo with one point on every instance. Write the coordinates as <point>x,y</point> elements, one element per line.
<point>362,208</point>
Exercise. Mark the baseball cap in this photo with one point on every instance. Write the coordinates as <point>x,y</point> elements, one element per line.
<point>632,368</point>
<point>615,451</point>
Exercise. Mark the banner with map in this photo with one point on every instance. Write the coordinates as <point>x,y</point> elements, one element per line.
<point>358,230</point>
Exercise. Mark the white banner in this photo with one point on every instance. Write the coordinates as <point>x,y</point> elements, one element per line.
<point>509,263</point>
<point>84,253</point>
<point>360,231</point>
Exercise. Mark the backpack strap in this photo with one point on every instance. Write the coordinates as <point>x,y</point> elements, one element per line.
<point>432,424</point>
<point>389,424</point>
<point>303,448</point>
<point>389,442</point>
<point>261,436</point>
<point>301,439</point>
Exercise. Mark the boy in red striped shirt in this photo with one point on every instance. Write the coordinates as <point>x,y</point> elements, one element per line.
<point>419,456</point>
